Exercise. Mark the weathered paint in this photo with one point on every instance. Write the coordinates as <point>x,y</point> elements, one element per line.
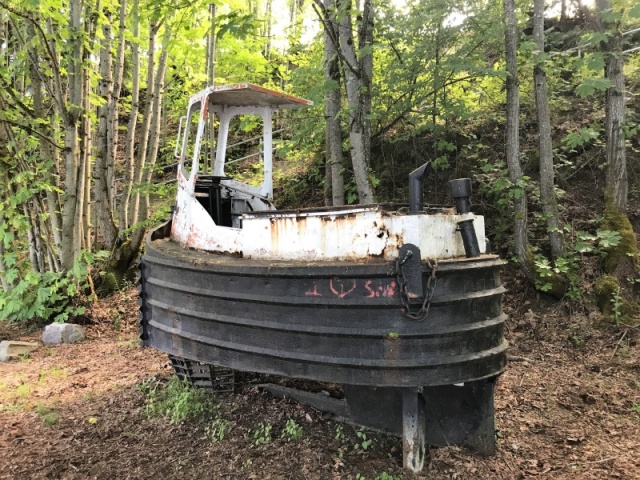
<point>192,226</point>
<point>356,234</point>
<point>413,429</point>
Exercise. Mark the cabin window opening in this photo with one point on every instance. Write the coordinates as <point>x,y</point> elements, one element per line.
<point>209,143</point>
<point>245,150</point>
<point>190,148</point>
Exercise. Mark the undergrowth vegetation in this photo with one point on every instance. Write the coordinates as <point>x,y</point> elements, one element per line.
<point>176,401</point>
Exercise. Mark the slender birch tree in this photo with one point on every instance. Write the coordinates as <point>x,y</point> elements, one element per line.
<point>547,176</point>
<point>332,100</point>
<point>355,86</point>
<point>617,176</point>
<point>512,139</point>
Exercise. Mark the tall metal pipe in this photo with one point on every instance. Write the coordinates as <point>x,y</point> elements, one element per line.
<point>415,188</point>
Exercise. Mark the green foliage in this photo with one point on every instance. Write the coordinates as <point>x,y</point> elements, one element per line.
<point>387,476</point>
<point>622,245</point>
<point>589,86</point>
<point>363,442</point>
<point>616,305</point>
<point>299,186</point>
<point>262,434</point>
<point>497,189</point>
<point>176,401</point>
<point>577,339</point>
<point>216,430</point>
<point>605,290</point>
<point>49,296</point>
<point>554,280</point>
<point>291,431</point>
<point>581,138</point>
<point>562,278</point>
<point>49,417</point>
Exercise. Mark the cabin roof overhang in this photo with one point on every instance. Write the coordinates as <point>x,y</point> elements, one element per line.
<point>250,95</point>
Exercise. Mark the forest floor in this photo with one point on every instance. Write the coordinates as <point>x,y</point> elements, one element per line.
<point>568,406</point>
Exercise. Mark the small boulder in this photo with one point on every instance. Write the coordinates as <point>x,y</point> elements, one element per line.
<point>10,349</point>
<point>57,333</point>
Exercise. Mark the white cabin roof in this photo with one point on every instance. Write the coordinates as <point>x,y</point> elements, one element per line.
<point>250,95</point>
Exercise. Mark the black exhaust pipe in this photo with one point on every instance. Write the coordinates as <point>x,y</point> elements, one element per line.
<point>460,189</point>
<point>415,188</point>
<point>469,238</point>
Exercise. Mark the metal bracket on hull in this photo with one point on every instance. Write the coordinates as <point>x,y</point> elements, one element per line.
<point>409,272</point>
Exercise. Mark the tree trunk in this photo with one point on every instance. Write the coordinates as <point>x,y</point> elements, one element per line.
<point>83,208</point>
<point>154,134</point>
<point>268,22</point>
<point>365,44</point>
<point>48,152</point>
<point>101,178</point>
<point>113,132</point>
<point>357,120</point>
<point>547,182</point>
<point>87,226</point>
<point>122,256</point>
<point>71,123</point>
<point>3,268</point>
<point>143,141</point>
<point>31,238</point>
<point>512,140</point>
<point>133,119</point>
<point>617,177</point>
<point>332,106</point>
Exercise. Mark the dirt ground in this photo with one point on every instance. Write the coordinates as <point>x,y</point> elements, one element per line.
<point>568,406</point>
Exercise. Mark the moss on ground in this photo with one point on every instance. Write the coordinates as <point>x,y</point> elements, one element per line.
<point>627,248</point>
<point>614,302</point>
<point>556,284</point>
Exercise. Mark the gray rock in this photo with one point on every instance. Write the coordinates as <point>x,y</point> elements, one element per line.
<point>10,349</point>
<point>57,333</point>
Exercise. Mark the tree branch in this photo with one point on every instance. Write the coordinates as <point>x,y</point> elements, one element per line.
<point>407,110</point>
<point>56,69</point>
<point>329,27</point>
<point>32,131</point>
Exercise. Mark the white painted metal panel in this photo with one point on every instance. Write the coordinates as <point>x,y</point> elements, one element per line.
<point>357,234</point>
<point>193,227</point>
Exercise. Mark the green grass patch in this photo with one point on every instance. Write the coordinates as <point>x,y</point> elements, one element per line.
<point>49,417</point>
<point>176,401</point>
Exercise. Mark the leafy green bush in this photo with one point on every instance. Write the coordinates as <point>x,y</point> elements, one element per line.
<point>48,296</point>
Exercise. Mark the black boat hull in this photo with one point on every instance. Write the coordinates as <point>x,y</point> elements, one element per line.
<point>328,321</point>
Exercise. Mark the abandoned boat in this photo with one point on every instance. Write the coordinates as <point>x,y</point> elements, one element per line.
<point>401,305</point>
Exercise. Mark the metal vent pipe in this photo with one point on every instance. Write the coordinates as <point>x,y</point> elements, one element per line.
<point>415,188</point>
